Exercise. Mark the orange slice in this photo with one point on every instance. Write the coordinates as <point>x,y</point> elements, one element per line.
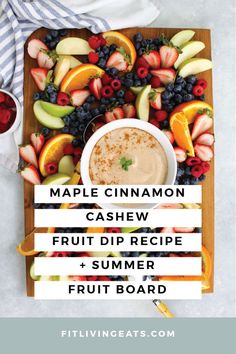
<point>79,77</point>
<point>113,37</point>
<point>26,247</point>
<point>180,129</point>
<point>53,150</point>
<point>190,109</point>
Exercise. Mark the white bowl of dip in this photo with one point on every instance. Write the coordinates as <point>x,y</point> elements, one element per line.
<point>147,147</point>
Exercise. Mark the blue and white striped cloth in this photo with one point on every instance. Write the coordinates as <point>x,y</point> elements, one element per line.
<point>19,18</point>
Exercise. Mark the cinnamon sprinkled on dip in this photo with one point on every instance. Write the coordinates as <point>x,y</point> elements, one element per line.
<point>128,156</point>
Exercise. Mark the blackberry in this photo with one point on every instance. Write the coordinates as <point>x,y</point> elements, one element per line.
<point>36,96</point>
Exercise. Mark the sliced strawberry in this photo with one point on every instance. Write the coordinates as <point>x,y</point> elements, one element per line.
<point>78,97</point>
<point>78,277</point>
<point>155,99</point>
<point>169,135</point>
<point>37,140</point>
<point>117,60</point>
<point>167,230</point>
<point>170,206</point>
<point>28,154</point>
<point>202,123</point>
<point>165,75</point>
<point>153,59</point>
<point>153,121</point>
<point>45,60</point>
<point>40,77</point>
<point>34,46</point>
<point>142,62</point>
<point>184,229</point>
<point>30,174</point>
<point>118,113</point>
<point>95,87</point>
<point>168,55</point>
<point>129,110</point>
<point>204,152</point>
<point>180,153</point>
<point>205,139</point>
<point>109,117</point>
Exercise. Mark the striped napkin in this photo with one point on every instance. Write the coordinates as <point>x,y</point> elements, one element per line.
<point>19,18</point>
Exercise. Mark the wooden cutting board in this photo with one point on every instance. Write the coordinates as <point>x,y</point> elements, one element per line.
<point>31,125</point>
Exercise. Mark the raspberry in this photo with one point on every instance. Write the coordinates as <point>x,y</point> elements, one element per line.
<point>192,161</point>
<point>103,41</point>
<point>93,57</point>
<point>129,97</point>
<point>68,149</point>
<point>197,171</point>
<point>92,278</point>
<point>155,82</point>
<point>51,168</point>
<point>161,115</point>
<point>116,84</point>
<point>107,91</point>
<point>154,122</point>
<point>142,72</point>
<point>106,79</point>
<point>63,99</point>
<point>113,230</point>
<point>202,83</point>
<point>94,42</point>
<point>77,152</point>
<point>60,254</point>
<point>205,166</point>
<point>198,90</point>
<point>104,278</point>
<point>142,62</point>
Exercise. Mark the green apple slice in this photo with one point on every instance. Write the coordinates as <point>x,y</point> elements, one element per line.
<point>61,69</point>
<point>73,61</point>
<point>182,37</point>
<point>56,110</point>
<point>46,119</point>
<point>32,273</point>
<point>66,165</point>
<point>73,46</point>
<point>127,230</point>
<point>136,89</point>
<point>57,178</point>
<point>142,103</point>
<point>189,50</point>
<point>194,66</point>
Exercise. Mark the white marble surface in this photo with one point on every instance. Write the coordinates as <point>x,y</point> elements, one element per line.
<point>219,16</point>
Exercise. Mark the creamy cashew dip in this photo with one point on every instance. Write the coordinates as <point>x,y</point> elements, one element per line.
<point>128,156</point>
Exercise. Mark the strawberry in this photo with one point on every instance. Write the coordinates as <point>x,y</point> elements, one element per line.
<point>68,149</point>
<point>34,46</point>
<point>169,135</point>
<point>40,77</point>
<point>5,115</point>
<point>30,174</point>
<point>77,152</point>
<point>109,117</point>
<point>63,99</point>
<point>37,140</point>
<point>204,152</point>
<point>103,278</point>
<point>155,82</point>
<point>142,62</point>
<point>202,123</point>
<point>161,115</point>
<point>95,87</point>
<point>78,97</point>
<point>155,99</point>
<point>28,154</point>
<point>183,229</point>
<point>153,59</point>
<point>180,153</point>
<point>167,230</point>
<point>45,60</point>
<point>116,113</point>
<point>118,60</point>
<point>129,110</point>
<point>98,125</point>
<point>165,75</point>
<point>205,139</point>
<point>168,55</point>
<point>153,121</point>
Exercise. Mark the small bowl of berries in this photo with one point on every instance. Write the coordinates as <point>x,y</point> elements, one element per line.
<point>10,113</point>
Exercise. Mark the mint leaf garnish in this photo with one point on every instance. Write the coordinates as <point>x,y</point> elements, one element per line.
<point>125,163</point>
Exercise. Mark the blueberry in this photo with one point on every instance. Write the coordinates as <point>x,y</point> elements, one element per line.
<point>137,83</point>
<point>166,95</point>
<point>36,96</point>
<point>90,99</point>
<point>112,99</point>
<point>48,38</point>
<point>36,205</point>
<point>191,79</point>
<point>63,32</point>
<point>121,101</point>
<point>188,171</point>
<point>88,116</point>
<point>144,43</point>
<point>54,33</point>
<point>202,97</point>
<point>129,76</point>
<point>95,112</point>
<point>67,120</point>
<point>178,98</point>
<point>112,47</point>
<point>76,142</point>
<point>170,87</point>
<point>74,131</point>
<point>202,178</point>
<point>45,131</point>
<point>138,37</point>
<point>65,130</point>
<point>51,88</point>
<point>183,93</point>
<point>193,180</point>
<point>198,229</point>
<point>125,254</point>
<point>102,63</point>
<point>120,93</point>
<point>128,83</point>
<point>52,45</point>
<point>102,109</point>
<point>188,97</point>
<point>164,124</point>
<point>141,51</point>
<point>144,81</point>
<point>81,127</point>
<point>134,254</point>
<point>189,88</point>
<point>101,54</point>
<point>180,172</point>
<point>157,41</point>
<point>179,80</point>
<point>104,100</point>
<point>79,109</point>
<point>137,45</point>
<point>86,107</point>
<point>113,72</point>
<point>176,181</point>
<point>177,88</point>
<point>148,77</point>
<point>169,108</point>
<point>106,49</point>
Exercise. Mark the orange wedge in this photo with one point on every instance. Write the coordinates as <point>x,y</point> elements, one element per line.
<point>79,77</point>
<point>190,109</point>
<point>113,37</point>
<point>26,247</point>
<point>53,150</point>
<point>180,129</point>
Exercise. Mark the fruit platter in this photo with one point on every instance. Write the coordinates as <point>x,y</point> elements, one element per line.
<point>76,82</point>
